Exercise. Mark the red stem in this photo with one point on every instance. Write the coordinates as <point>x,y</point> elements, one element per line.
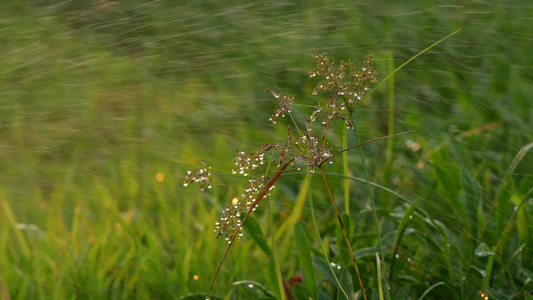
<point>259,198</point>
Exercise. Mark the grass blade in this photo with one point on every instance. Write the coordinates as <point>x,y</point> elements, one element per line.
<point>409,60</point>
<point>376,222</point>
<point>344,232</point>
<point>303,247</point>
<point>254,231</point>
<point>315,224</point>
<point>380,285</point>
<point>516,160</point>
<point>426,292</point>
<point>473,201</point>
<point>407,216</point>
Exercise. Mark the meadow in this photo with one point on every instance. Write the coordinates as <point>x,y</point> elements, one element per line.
<point>106,105</point>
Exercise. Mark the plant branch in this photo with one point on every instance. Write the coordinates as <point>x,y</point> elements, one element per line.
<point>259,198</point>
<point>344,233</point>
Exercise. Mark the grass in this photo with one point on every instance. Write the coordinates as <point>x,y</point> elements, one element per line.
<point>98,98</point>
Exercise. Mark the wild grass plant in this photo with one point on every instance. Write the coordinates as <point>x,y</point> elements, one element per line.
<point>305,148</point>
<point>105,104</point>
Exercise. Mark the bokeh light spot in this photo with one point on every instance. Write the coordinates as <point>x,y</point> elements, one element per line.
<point>159,177</point>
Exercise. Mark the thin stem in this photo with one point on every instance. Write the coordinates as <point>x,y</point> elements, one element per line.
<point>356,132</point>
<point>352,147</point>
<point>315,223</point>
<point>344,233</point>
<point>408,61</point>
<point>295,124</point>
<point>368,142</point>
<point>390,122</point>
<point>259,198</point>
<point>345,171</point>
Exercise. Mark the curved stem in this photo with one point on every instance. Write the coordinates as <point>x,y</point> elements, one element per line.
<point>259,198</point>
<point>344,233</point>
<point>315,223</point>
<point>382,254</point>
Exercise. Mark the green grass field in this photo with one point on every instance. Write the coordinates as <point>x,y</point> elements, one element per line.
<point>105,105</point>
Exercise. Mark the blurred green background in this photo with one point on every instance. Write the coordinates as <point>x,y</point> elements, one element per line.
<point>97,97</point>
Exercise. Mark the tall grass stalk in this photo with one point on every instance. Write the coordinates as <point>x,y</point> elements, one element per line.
<point>315,223</point>
<point>312,150</point>
<point>372,202</point>
<point>343,232</point>
<point>361,151</point>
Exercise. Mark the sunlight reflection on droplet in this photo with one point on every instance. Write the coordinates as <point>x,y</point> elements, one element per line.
<point>195,277</point>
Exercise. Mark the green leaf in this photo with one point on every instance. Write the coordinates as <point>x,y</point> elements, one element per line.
<point>527,296</point>
<point>365,252</point>
<point>523,224</point>
<point>402,293</point>
<point>271,277</point>
<point>380,283</point>
<point>527,272</point>
<point>503,204</point>
<point>514,163</point>
<point>247,287</point>
<point>301,292</point>
<point>304,256</point>
<point>324,269</point>
<point>426,292</point>
<point>473,200</point>
<point>254,231</point>
<point>407,216</point>
<point>450,186</point>
<point>347,285</point>
<point>483,250</point>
